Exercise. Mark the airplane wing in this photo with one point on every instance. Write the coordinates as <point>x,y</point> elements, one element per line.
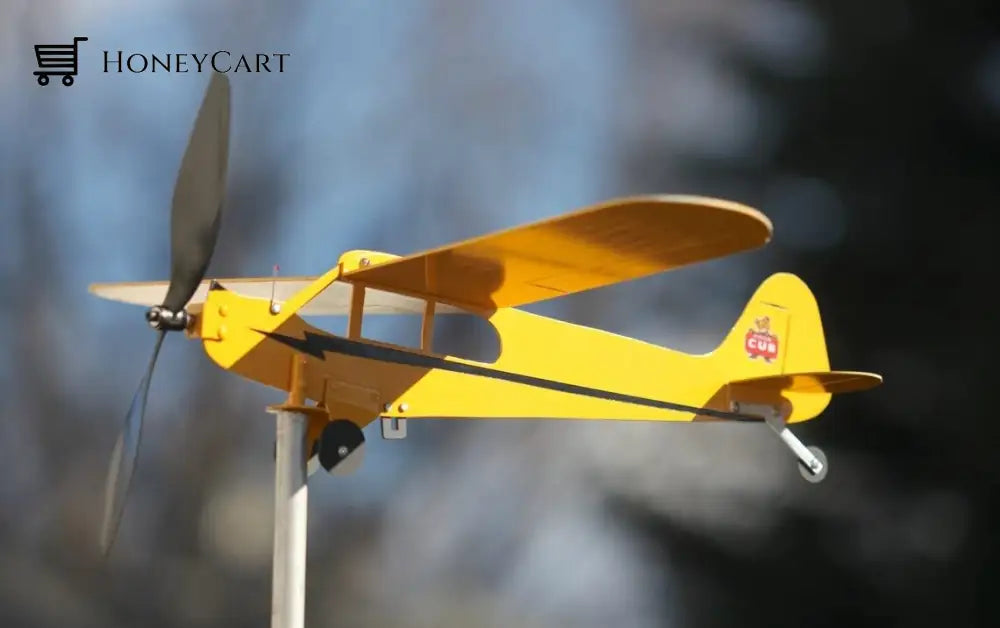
<point>334,300</point>
<point>598,246</point>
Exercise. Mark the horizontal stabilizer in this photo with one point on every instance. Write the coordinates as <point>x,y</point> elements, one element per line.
<point>829,382</point>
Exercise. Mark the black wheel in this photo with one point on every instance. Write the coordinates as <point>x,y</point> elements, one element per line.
<point>341,446</point>
<point>43,79</point>
<point>67,80</point>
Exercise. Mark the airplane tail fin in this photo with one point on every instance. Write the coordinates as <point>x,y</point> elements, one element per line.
<point>779,332</point>
<point>775,366</point>
<point>778,337</point>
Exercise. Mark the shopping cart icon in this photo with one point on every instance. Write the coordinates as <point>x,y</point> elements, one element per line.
<point>57,60</point>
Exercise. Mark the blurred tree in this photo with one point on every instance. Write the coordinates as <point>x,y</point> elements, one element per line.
<point>898,133</point>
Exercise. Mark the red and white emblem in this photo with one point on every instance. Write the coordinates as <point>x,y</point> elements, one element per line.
<point>761,342</point>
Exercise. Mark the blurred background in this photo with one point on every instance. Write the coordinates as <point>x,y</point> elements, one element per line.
<point>867,131</point>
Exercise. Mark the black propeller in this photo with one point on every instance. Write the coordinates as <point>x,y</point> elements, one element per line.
<point>194,229</point>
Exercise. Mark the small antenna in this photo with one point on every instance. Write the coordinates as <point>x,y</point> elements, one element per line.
<point>275,306</point>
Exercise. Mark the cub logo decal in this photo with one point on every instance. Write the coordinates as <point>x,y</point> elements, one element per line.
<point>761,342</point>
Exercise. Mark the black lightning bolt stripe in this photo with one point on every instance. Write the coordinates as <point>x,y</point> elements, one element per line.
<point>317,345</point>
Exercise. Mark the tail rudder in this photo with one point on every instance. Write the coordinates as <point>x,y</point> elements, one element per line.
<point>779,332</point>
<point>774,366</point>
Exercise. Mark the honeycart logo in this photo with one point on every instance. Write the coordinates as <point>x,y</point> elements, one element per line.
<point>761,342</point>
<point>64,60</point>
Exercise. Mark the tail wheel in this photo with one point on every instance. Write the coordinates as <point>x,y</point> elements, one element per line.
<point>807,473</point>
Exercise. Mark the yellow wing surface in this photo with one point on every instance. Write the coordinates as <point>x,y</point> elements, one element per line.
<point>598,246</point>
<point>332,300</point>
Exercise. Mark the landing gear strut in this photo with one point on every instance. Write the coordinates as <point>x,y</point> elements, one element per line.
<point>812,460</point>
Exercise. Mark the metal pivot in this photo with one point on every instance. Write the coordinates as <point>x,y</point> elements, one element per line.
<point>812,460</point>
<point>291,503</point>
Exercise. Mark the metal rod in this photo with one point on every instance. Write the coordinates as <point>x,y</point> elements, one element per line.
<point>800,450</point>
<point>291,503</point>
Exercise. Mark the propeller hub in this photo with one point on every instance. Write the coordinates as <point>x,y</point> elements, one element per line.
<point>162,319</point>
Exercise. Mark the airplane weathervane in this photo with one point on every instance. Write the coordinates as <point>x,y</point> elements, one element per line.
<point>772,368</point>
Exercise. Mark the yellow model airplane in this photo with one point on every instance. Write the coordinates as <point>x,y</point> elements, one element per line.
<point>772,367</point>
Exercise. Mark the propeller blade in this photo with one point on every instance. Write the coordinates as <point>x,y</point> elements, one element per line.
<point>198,195</point>
<point>124,456</point>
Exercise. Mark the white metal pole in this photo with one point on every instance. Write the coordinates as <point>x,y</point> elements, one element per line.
<point>291,504</point>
